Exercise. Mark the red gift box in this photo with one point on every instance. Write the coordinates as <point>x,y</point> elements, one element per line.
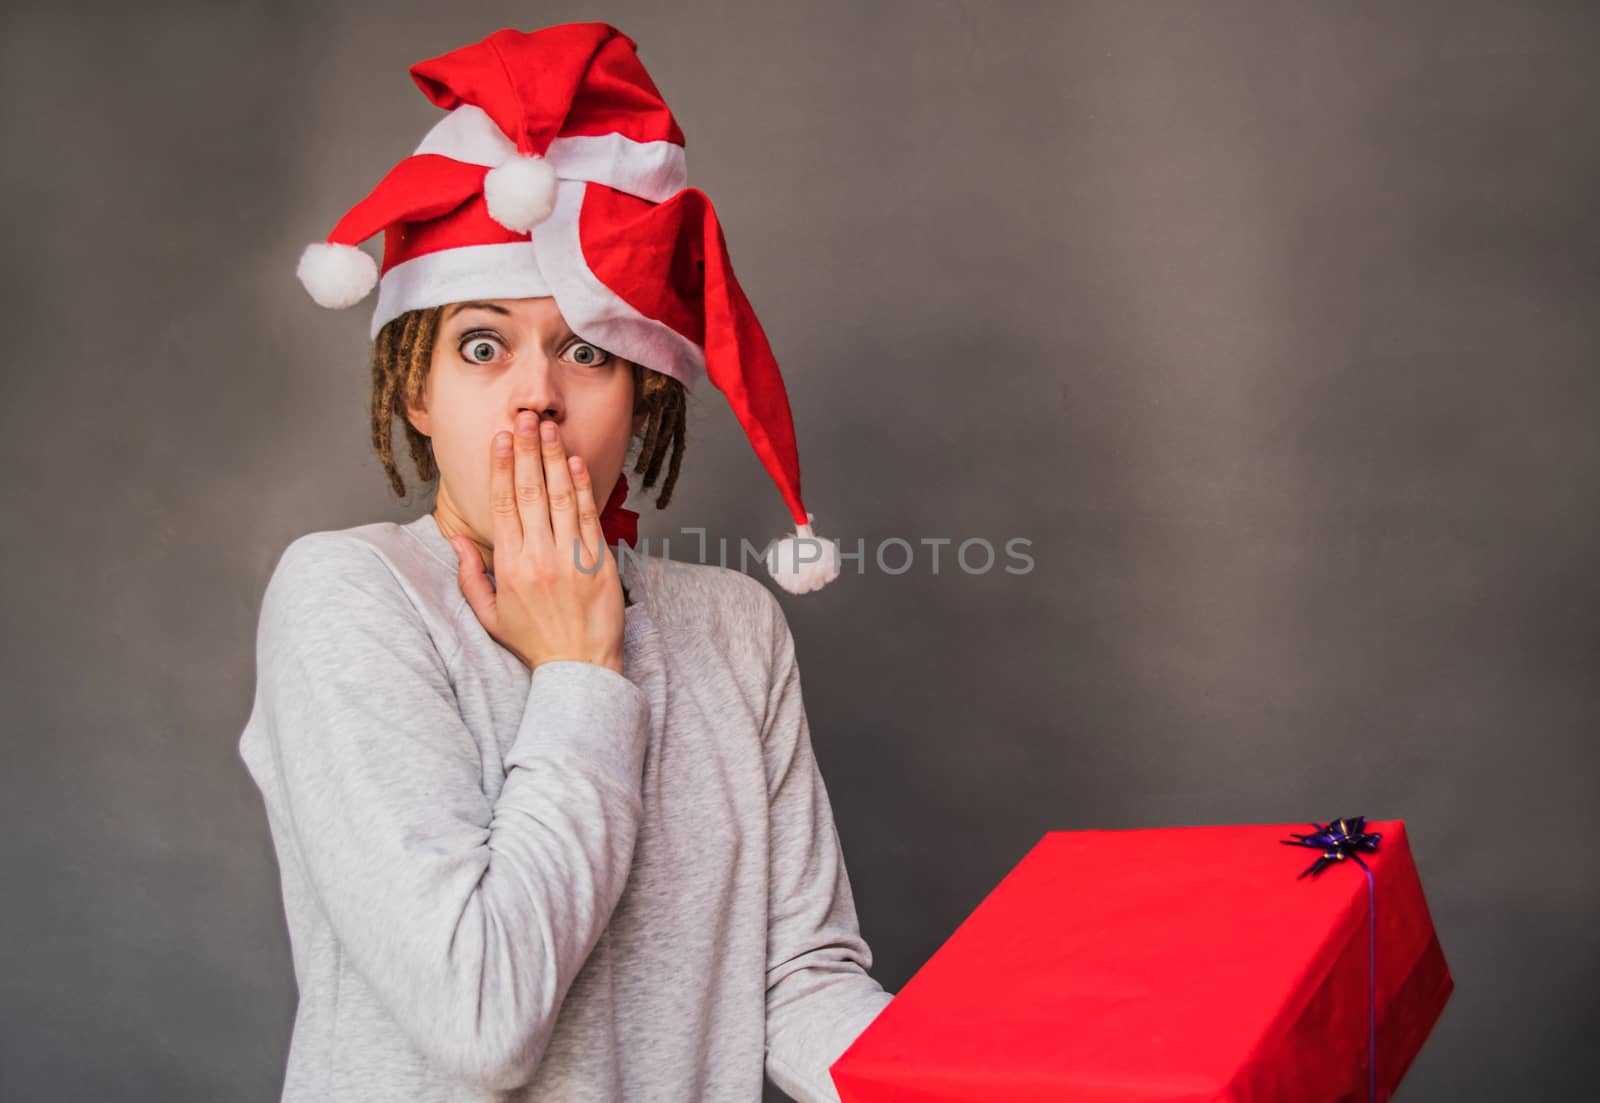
<point>1168,965</point>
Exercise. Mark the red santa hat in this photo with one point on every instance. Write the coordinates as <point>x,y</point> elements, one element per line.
<point>559,171</point>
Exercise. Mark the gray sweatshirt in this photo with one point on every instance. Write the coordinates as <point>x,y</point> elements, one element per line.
<point>570,885</point>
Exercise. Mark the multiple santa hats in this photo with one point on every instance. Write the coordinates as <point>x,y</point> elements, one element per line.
<point>559,171</point>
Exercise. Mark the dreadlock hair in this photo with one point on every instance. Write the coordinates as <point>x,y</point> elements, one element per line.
<point>402,353</point>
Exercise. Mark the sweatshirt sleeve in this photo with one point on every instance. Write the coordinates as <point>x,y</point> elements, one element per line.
<point>819,993</point>
<point>468,918</point>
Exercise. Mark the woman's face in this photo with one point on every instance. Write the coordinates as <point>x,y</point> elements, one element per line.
<point>495,358</point>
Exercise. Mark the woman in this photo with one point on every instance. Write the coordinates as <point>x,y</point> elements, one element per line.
<point>548,821</point>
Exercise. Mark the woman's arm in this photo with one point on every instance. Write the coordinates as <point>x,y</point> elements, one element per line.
<point>469,919</point>
<point>819,995</point>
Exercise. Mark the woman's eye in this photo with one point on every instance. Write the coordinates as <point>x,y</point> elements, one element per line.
<point>588,354</point>
<point>480,350</point>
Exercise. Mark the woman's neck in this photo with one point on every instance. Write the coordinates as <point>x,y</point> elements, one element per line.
<point>451,525</point>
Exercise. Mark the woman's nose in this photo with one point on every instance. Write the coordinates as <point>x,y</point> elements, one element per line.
<point>538,385</point>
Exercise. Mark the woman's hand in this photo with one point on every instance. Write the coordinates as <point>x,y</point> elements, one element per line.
<point>542,607</point>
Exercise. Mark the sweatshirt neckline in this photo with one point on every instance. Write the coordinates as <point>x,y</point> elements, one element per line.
<point>425,529</point>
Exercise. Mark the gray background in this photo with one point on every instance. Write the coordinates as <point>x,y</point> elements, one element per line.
<point>1269,324</point>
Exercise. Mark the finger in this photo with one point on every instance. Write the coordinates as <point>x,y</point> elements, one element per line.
<point>507,524</point>
<point>529,468</point>
<point>558,491</point>
<point>474,580</point>
<point>589,529</point>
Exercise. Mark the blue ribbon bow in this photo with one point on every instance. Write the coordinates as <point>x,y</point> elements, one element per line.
<point>1340,839</point>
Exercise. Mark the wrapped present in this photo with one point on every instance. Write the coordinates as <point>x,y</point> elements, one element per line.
<point>1173,965</point>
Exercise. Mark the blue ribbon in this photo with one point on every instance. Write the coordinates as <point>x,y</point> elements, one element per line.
<point>1340,839</point>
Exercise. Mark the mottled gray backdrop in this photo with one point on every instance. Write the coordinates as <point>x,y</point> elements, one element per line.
<point>1270,324</point>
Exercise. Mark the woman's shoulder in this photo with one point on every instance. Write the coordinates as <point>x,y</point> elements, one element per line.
<point>380,567</point>
<point>375,549</point>
<point>723,601</point>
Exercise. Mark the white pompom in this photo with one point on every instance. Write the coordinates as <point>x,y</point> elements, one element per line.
<point>802,561</point>
<point>520,191</point>
<point>337,276</point>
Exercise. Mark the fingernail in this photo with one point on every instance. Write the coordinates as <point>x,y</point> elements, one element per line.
<point>548,429</point>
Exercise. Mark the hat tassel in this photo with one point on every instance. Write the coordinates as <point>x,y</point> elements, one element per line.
<point>336,275</point>
<point>520,191</point>
<point>802,561</point>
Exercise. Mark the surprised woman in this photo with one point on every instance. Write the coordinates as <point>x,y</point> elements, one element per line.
<point>547,816</point>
